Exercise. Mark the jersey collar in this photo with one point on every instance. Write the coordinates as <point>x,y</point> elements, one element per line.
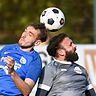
<point>63,62</point>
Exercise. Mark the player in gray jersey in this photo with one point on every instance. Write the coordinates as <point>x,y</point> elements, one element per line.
<point>62,76</point>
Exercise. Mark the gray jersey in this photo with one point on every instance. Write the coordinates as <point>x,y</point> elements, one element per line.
<point>64,79</point>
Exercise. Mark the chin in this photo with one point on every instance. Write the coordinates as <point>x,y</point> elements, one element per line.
<point>72,56</point>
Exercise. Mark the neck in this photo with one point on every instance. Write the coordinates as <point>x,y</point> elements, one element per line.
<point>61,58</point>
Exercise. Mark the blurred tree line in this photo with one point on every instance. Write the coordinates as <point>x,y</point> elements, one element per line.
<point>16,14</point>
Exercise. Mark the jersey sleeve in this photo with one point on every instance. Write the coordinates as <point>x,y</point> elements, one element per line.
<point>0,53</point>
<point>4,48</point>
<point>89,90</point>
<point>45,81</point>
<point>1,50</point>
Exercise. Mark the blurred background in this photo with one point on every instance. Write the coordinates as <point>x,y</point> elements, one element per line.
<point>80,18</point>
<point>80,25</point>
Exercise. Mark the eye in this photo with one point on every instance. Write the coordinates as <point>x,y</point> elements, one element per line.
<point>30,33</point>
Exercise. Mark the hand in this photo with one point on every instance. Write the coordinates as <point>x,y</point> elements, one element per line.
<point>10,64</point>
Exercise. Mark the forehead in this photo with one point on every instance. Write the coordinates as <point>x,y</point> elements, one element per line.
<point>66,41</point>
<point>30,28</point>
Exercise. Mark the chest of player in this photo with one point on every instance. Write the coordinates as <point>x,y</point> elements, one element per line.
<point>69,74</point>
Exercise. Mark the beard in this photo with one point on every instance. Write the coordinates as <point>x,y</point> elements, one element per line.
<point>25,46</point>
<point>71,56</point>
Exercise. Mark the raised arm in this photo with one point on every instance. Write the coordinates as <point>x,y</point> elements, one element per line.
<point>25,86</point>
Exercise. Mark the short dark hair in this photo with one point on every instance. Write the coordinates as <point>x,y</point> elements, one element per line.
<point>43,31</point>
<point>54,44</point>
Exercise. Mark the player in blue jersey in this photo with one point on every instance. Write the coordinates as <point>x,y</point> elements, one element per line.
<point>20,64</point>
<point>62,76</point>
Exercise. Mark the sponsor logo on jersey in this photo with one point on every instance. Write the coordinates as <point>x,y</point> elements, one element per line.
<point>23,60</point>
<point>63,69</point>
<point>78,70</point>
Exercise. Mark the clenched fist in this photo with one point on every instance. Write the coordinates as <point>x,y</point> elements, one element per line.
<point>10,64</point>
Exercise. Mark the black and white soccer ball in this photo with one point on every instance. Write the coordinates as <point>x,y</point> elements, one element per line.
<point>53,18</point>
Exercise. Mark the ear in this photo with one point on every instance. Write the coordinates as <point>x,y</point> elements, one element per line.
<point>61,52</point>
<point>37,42</point>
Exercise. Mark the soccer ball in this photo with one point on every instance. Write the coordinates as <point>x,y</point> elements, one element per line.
<point>53,18</point>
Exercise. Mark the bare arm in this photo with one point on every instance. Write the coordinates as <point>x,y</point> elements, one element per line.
<point>24,86</point>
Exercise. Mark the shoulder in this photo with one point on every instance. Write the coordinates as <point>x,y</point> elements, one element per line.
<point>78,66</point>
<point>9,46</point>
<point>50,68</point>
<point>50,65</point>
<point>35,55</point>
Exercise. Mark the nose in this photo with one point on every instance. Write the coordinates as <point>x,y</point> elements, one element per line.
<point>24,34</point>
<point>74,45</point>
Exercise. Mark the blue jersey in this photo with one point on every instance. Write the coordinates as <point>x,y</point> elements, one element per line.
<point>27,65</point>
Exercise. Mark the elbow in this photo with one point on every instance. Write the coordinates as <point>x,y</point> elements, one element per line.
<point>26,92</point>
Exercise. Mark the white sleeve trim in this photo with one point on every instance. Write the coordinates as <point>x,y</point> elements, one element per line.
<point>43,86</point>
<point>89,87</point>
